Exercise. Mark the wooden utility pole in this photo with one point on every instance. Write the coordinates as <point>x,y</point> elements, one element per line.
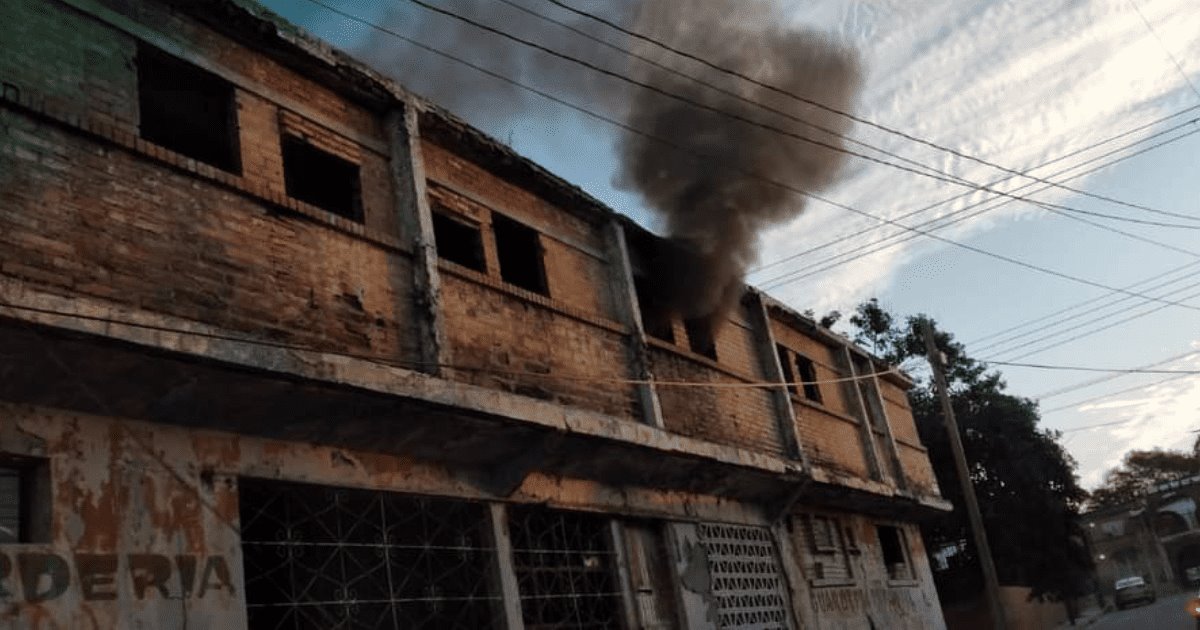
<point>990,580</point>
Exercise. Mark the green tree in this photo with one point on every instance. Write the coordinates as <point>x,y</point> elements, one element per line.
<point>1028,492</point>
<point>1141,471</point>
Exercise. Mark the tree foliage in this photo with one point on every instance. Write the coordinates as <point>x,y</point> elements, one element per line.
<point>1141,471</point>
<point>1028,492</point>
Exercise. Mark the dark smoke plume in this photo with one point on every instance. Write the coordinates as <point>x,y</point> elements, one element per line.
<point>712,197</point>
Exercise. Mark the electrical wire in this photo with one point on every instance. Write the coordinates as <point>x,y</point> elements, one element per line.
<point>848,115</point>
<point>964,194</point>
<point>1093,399</point>
<point>887,242</point>
<point>1065,320</point>
<point>681,149</point>
<point>1103,379</point>
<point>1076,305</point>
<point>947,178</point>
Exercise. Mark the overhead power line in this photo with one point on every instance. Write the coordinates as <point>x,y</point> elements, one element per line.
<point>1013,342</point>
<point>892,240</point>
<point>1093,399</point>
<point>964,194</point>
<point>1103,379</point>
<point>1084,303</point>
<point>814,103</point>
<point>1088,368</point>
<point>684,150</point>
<point>947,178</point>
<point>1089,333</point>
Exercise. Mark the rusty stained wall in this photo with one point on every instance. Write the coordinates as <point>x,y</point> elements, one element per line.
<point>868,600</point>
<point>80,215</point>
<point>144,529</point>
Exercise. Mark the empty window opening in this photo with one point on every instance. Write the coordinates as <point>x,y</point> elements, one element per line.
<point>458,241</point>
<point>24,500</point>
<point>187,110</point>
<point>320,178</point>
<point>895,553</point>
<point>785,366</point>
<point>519,251</point>
<point>324,557</point>
<point>655,319</point>
<point>565,568</point>
<point>700,337</point>
<point>807,371</point>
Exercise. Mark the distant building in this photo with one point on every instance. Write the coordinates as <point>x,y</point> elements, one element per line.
<point>283,346</point>
<point>1157,537</point>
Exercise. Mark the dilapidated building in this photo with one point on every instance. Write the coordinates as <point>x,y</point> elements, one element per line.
<point>1156,536</point>
<point>284,346</point>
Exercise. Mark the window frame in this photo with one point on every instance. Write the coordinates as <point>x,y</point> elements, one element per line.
<point>505,250</point>
<point>34,499</point>
<point>440,215</point>
<point>162,125</point>
<point>289,144</point>
<point>910,577</point>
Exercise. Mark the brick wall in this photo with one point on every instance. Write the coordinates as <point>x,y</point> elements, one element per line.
<point>71,60</point>
<point>832,442</point>
<point>88,208</point>
<point>742,417</point>
<point>84,217</point>
<point>551,347</point>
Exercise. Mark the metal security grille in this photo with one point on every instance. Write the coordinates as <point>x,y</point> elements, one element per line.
<point>565,568</point>
<point>325,558</point>
<point>746,578</point>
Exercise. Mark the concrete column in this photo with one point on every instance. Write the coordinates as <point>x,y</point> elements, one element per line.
<point>866,431</point>
<point>507,577</point>
<point>893,451</point>
<point>627,307</point>
<point>416,224</point>
<point>785,412</point>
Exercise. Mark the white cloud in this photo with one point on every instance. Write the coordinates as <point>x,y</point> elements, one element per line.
<point>1157,416</point>
<point>1015,83</point>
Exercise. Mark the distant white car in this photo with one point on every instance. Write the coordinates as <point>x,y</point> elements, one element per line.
<point>1132,589</point>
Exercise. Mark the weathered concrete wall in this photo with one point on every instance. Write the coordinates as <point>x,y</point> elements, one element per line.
<point>860,595</point>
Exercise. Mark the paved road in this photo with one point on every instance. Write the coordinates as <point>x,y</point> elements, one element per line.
<point>1165,614</point>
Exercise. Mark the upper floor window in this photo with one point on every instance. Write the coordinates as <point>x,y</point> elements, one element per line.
<point>519,251</point>
<point>320,178</point>
<point>24,500</point>
<point>805,369</point>
<point>655,319</point>
<point>458,241</point>
<point>187,110</point>
<point>700,337</point>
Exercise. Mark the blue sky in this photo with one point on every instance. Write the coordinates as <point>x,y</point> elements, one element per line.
<point>1017,83</point>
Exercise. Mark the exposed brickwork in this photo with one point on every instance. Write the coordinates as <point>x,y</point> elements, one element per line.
<point>917,469</point>
<point>827,363</point>
<point>74,62</point>
<point>832,442</point>
<point>742,417</point>
<point>900,417</point>
<point>79,216</point>
<point>522,346</point>
<point>577,270</point>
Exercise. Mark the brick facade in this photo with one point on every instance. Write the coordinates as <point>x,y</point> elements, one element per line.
<point>222,325</point>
